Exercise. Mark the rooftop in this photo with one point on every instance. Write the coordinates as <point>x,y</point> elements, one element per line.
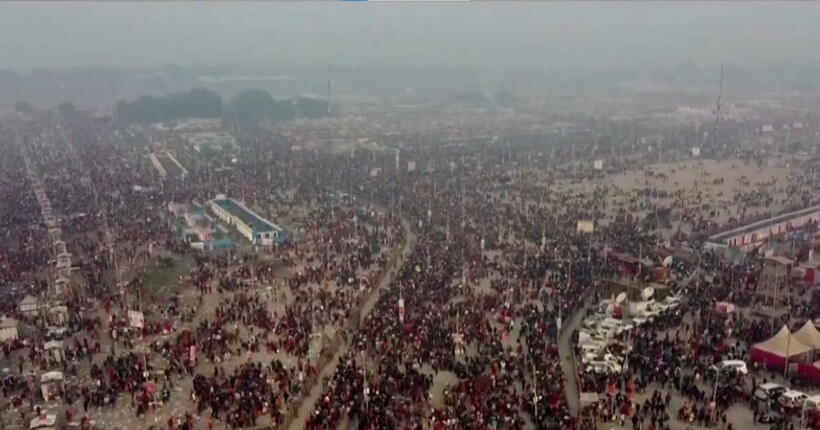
<point>246,216</point>
<point>762,224</point>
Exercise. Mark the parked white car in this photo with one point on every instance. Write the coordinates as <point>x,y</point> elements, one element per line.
<point>609,363</point>
<point>793,399</point>
<point>738,366</point>
<point>592,335</point>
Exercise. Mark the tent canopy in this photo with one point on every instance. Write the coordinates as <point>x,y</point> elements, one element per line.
<point>808,335</point>
<point>783,344</point>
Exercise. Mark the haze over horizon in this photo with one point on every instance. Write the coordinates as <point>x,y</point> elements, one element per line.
<point>550,35</point>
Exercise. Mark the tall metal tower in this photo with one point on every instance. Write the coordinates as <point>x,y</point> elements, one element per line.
<point>329,100</point>
<point>717,111</point>
<point>329,104</point>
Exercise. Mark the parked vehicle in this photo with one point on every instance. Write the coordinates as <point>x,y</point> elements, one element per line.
<point>792,399</point>
<point>769,392</point>
<point>738,366</point>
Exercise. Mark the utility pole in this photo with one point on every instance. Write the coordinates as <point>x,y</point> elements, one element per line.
<point>717,111</point>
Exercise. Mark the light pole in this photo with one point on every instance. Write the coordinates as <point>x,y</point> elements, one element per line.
<point>803,415</point>
<point>714,394</point>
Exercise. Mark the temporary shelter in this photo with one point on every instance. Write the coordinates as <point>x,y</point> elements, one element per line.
<point>29,306</point>
<point>810,371</point>
<point>777,351</point>
<point>51,385</point>
<point>808,335</point>
<point>8,330</point>
<point>54,350</point>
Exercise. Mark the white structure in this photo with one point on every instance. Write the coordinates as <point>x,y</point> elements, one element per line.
<point>29,306</point>
<point>253,227</point>
<point>8,330</point>
<point>752,235</point>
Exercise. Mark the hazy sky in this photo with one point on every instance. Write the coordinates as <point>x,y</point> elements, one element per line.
<point>544,34</point>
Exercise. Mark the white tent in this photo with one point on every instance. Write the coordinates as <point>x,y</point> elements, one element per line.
<point>782,344</point>
<point>808,335</point>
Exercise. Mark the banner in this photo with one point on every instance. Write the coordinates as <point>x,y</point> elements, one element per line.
<point>696,151</point>
<point>598,164</point>
<point>585,227</point>
<point>401,310</point>
<point>136,319</point>
<point>411,166</point>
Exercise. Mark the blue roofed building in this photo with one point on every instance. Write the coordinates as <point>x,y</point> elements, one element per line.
<point>200,230</point>
<point>248,223</point>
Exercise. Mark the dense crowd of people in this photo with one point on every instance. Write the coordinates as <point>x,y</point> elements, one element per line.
<point>497,268</point>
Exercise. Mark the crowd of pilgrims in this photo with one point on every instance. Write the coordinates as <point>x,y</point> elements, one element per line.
<point>495,383</point>
<point>673,352</point>
<point>541,272</point>
<point>340,256</point>
<point>538,270</point>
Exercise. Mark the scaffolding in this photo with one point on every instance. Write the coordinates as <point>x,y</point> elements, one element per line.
<point>773,289</point>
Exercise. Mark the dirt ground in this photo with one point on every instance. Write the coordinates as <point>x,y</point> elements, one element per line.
<point>706,184</point>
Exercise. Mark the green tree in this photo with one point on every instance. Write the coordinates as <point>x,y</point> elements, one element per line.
<point>312,108</point>
<point>67,110</point>
<point>504,98</point>
<point>24,107</point>
<point>472,98</point>
<point>197,103</point>
<point>258,105</point>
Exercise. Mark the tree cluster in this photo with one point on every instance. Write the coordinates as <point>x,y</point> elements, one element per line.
<point>258,105</point>
<point>472,98</point>
<point>197,103</point>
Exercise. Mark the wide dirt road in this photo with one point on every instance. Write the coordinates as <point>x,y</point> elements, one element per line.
<point>308,404</point>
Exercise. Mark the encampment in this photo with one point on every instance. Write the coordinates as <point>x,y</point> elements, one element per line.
<point>776,352</point>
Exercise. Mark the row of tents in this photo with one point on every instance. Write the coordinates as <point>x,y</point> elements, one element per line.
<point>786,347</point>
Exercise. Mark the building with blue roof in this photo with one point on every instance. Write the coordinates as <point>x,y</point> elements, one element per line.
<point>196,227</point>
<point>753,235</point>
<point>248,223</point>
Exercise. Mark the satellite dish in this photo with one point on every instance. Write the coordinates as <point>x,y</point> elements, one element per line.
<point>667,261</point>
<point>647,293</point>
<point>620,299</point>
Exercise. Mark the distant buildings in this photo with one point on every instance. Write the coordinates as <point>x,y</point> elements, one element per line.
<point>250,225</point>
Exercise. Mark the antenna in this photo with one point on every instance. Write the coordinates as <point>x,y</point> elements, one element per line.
<point>329,108</point>
<point>717,111</point>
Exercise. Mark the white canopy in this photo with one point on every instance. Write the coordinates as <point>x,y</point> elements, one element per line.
<point>43,421</point>
<point>783,344</point>
<point>808,335</point>
<point>53,344</point>
<point>51,376</point>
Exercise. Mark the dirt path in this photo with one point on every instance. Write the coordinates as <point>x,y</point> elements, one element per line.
<point>568,366</point>
<point>309,402</point>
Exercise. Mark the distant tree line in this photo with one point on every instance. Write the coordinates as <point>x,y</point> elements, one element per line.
<point>475,98</point>
<point>249,105</point>
<point>258,105</point>
<point>197,103</point>
<point>24,107</point>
